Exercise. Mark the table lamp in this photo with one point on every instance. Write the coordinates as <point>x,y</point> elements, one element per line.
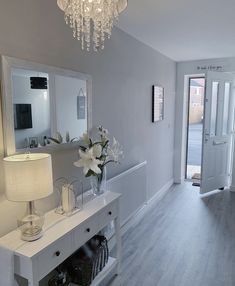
<point>28,177</point>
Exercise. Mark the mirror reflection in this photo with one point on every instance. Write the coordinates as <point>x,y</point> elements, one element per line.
<point>49,108</point>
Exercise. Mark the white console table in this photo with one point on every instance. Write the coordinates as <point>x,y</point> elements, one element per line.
<point>63,236</point>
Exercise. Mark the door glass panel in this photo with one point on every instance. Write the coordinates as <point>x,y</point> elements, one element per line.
<point>214,101</point>
<point>226,107</point>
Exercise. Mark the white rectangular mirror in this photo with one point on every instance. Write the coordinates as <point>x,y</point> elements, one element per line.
<point>43,106</point>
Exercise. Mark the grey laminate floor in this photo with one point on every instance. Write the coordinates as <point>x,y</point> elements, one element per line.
<point>183,240</point>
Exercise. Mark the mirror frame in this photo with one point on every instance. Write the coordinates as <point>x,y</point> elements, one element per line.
<point>7,64</point>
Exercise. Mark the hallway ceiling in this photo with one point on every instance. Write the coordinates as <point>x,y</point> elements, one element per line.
<point>183,29</point>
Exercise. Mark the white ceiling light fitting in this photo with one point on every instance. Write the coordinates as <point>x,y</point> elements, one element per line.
<point>92,20</point>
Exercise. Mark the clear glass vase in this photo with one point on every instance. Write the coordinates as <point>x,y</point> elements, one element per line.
<point>98,182</point>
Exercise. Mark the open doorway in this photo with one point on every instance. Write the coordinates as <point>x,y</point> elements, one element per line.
<point>196,94</point>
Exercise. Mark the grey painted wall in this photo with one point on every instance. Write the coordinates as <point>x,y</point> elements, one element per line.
<point>123,75</point>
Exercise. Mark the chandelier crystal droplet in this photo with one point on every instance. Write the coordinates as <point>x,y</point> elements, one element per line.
<point>92,20</point>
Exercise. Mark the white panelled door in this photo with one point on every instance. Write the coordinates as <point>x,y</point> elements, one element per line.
<point>217,145</point>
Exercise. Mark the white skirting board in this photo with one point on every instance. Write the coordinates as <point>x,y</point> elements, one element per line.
<point>141,212</point>
<point>232,189</point>
<point>132,184</point>
<point>160,194</point>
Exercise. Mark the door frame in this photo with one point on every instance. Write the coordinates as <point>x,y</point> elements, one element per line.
<point>187,126</point>
<point>184,123</point>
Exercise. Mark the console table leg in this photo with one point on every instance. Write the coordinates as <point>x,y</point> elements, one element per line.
<point>33,283</point>
<point>118,238</point>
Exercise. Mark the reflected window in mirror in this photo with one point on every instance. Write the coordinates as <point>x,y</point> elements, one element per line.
<point>71,103</point>
<point>31,108</point>
<point>43,105</point>
<point>46,114</point>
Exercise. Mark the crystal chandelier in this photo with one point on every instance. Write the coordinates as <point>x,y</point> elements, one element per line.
<point>92,20</point>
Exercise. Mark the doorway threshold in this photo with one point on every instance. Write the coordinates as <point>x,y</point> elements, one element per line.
<point>194,175</point>
<point>196,178</point>
<point>192,170</point>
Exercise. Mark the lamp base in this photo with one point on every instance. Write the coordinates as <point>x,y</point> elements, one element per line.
<point>31,224</point>
<point>28,238</point>
<point>31,234</point>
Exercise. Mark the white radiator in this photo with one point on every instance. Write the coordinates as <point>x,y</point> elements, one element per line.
<point>133,187</point>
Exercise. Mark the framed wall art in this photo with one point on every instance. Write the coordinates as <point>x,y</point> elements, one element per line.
<point>81,105</point>
<point>157,103</point>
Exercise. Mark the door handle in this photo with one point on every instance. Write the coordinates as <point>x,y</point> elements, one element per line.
<point>219,142</point>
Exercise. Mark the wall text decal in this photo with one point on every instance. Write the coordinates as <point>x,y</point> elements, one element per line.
<point>209,68</point>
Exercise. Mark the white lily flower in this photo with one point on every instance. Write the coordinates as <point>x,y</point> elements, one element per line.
<point>85,138</point>
<point>100,154</point>
<point>88,162</point>
<point>97,150</point>
<point>115,152</point>
<point>103,132</point>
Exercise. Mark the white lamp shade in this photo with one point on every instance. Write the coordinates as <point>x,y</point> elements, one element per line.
<point>28,177</point>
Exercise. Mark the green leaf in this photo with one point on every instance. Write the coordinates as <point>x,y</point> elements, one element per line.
<point>59,137</point>
<point>74,139</point>
<point>91,144</point>
<point>54,140</point>
<point>105,144</point>
<point>82,148</point>
<point>90,173</point>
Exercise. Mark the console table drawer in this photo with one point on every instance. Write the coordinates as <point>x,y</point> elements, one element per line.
<point>108,214</point>
<point>91,227</point>
<point>85,232</point>
<point>53,255</point>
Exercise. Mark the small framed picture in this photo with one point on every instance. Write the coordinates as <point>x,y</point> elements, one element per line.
<point>81,105</point>
<point>33,142</point>
<point>157,103</point>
